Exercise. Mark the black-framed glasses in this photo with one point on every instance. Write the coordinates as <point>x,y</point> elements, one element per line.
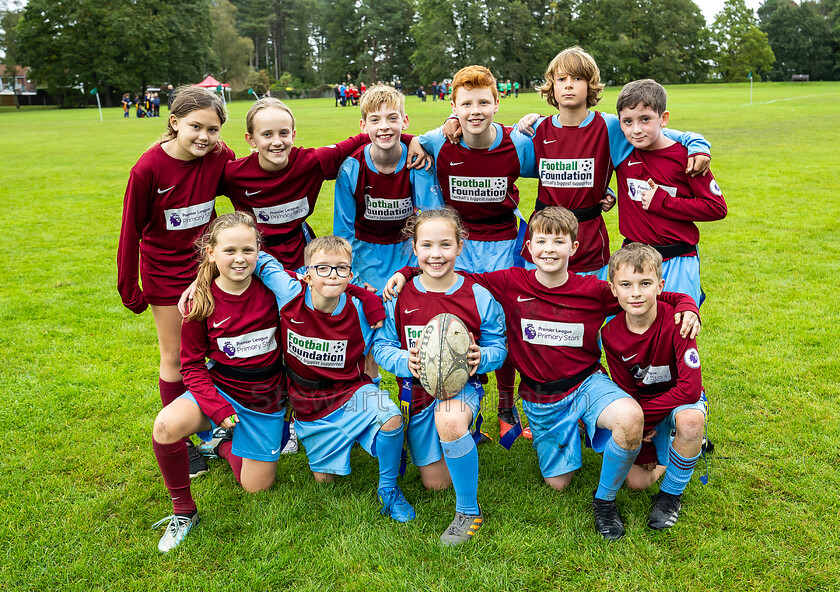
<point>341,271</point>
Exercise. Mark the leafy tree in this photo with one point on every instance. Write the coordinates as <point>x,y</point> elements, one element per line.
<point>231,51</point>
<point>113,44</point>
<point>436,34</point>
<point>259,81</point>
<point>741,46</point>
<point>801,39</point>
<point>9,18</point>
<point>632,39</point>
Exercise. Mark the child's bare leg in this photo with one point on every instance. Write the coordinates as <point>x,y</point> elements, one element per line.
<point>641,477</point>
<point>323,478</point>
<point>560,482</point>
<point>436,476</point>
<point>258,475</point>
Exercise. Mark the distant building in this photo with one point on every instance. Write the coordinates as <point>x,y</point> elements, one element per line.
<point>22,85</point>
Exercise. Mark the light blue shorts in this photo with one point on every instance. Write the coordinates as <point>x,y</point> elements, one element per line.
<point>682,275</point>
<point>483,256</point>
<point>665,429</point>
<point>423,438</point>
<point>375,264</point>
<point>328,440</point>
<point>257,435</point>
<point>555,425</point>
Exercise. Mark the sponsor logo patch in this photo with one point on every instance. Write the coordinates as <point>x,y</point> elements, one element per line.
<point>189,217</point>
<point>652,374</point>
<point>567,172</point>
<point>478,189</point>
<point>280,214</point>
<point>412,334</point>
<point>248,345</point>
<point>380,208</point>
<point>552,333</point>
<point>635,188</point>
<point>313,351</point>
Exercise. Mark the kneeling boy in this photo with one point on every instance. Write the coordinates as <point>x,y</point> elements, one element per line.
<point>651,361</point>
<point>325,337</point>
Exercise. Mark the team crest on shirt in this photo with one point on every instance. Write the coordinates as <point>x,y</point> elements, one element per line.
<point>552,333</point>
<point>715,188</point>
<point>282,213</point>
<point>567,172</point>
<point>248,345</point>
<point>189,217</point>
<point>478,189</point>
<point>313,351</point>
<point>692,358</point>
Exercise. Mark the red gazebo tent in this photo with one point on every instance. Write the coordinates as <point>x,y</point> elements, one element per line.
<point>212,84</point>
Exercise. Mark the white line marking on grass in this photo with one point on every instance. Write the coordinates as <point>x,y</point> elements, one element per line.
<point>791,99</point>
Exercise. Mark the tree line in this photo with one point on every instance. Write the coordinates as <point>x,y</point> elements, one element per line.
<point>117,45</point>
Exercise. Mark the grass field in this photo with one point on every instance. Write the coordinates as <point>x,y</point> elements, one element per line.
<point>78,391</point>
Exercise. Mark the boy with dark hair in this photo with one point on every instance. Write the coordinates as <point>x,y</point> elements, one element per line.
<point>661,370</point>
<point>658,203</point>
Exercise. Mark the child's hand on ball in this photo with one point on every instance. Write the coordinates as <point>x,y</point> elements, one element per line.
<point>474,357</point>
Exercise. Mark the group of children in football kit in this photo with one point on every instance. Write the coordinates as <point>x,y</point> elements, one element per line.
<point>307,337</point>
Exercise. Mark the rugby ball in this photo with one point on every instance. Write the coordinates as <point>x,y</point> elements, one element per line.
<point>444,346</point>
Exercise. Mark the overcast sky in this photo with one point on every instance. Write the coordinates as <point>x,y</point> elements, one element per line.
<point>711,7</point>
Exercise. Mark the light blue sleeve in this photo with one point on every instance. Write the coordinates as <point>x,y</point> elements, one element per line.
<point>620,148</point>
<point>432,141</point>
<point>367,332</point>
<point>425,188</point>
<point>344,215</point>
<point>493,342</point>
<point>525,150</point>
<point>387,350</point>
<point>276,279</point>
<point>694,143</point>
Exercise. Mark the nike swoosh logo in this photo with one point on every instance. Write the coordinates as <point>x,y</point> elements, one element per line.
<point>297,322</point>
<point>162,191</point>
<point>631,163</point>
<point>411,311</point>
<point>549,141</point>
<point>628,359</point>
<point>521,299</point>
<point>456,163</point>
<point>250,193</point>
<point>368,186</point>
<point>276,450</point>
<point>219,324</point>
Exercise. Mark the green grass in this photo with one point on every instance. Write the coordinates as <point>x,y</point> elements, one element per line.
<point>80,487</point>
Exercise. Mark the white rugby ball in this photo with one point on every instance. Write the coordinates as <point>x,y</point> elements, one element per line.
<point>444,346</point>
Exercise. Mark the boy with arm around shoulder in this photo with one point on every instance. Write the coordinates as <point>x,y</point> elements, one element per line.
<point>658,203</point>
<point>376,191</point>
<point>661,370</point>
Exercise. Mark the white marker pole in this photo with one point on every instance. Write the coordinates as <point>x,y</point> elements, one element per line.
<point>98,104</point>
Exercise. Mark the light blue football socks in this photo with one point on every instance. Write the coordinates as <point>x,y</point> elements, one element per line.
<point>388,450</point>
<point>678,473</point>
<point>614,468</point>
<point>461,459</point>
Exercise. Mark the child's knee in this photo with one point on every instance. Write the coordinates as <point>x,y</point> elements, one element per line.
<point>323,478</point>
<point>392,424</point>
<point>690,424</point>
<point>560,482</point>
<point>166,429</point>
